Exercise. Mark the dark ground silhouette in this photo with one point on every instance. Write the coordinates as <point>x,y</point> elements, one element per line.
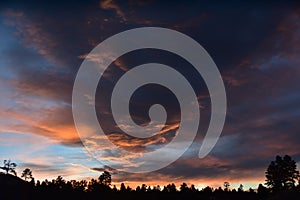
<point>283,174</point>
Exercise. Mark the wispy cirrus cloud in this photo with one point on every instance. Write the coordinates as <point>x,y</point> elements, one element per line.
<point>32,34</point>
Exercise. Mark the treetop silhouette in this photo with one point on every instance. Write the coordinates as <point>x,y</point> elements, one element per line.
<point>282,174</point>
<point>27,174</point>
<point>9,167</point>
<point>105,178</point>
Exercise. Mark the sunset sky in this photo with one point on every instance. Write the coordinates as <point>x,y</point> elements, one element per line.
<point>255,46</point>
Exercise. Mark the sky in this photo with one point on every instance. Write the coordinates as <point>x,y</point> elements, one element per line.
<point>256,47</point>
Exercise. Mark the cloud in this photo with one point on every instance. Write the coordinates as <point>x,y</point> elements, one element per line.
<point>110,4</point>
<point>105,168</point>
<point>32,34</point>
<point>232,81</point>
<point>37,115</point>
<point>136,145</point>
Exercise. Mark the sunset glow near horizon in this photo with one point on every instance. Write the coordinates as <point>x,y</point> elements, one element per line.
<point>256,48</point>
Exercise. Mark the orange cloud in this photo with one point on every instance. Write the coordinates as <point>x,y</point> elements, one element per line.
<point>54,123</point>
<point>138,145</point>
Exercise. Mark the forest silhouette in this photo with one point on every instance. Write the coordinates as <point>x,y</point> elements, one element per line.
<point>282,182</point>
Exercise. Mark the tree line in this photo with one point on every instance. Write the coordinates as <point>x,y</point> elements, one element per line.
<point>282,178</point>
